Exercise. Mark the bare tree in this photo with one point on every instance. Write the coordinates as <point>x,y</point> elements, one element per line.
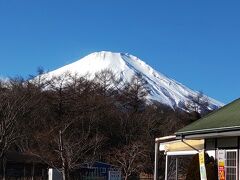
<point>129,158</point>
<point>133,95</point>
<point>71,148</point>
<point>70,140</point>
<point>198,103</point>
<point>15,105</point>
<point>107,81</point>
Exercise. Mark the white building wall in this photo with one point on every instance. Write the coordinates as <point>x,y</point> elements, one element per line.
<point>54,174</point>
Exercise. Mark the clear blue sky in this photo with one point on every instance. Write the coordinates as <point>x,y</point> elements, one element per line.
<point>196,42</point>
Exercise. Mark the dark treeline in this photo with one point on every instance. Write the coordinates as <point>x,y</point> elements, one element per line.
<point>69,120</point>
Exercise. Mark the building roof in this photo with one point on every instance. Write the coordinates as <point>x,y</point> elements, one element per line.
<point>225,119</point>
<point>17,157</point>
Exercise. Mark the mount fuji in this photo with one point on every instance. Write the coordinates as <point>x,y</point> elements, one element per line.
<point>162,89</point>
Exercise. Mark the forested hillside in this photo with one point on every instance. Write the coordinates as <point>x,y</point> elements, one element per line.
<point>69,120</point>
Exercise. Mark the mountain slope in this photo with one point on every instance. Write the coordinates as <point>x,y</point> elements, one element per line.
<point>162,89</point>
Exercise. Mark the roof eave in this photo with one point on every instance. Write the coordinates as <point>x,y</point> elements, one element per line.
<point>209,130</point>
<point>209,134</point>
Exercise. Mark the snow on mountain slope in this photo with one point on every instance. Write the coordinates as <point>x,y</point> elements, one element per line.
<point>125,66</point>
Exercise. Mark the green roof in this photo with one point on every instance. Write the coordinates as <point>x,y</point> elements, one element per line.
<point>226,118</point>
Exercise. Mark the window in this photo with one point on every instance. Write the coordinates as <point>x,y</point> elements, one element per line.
<point>103,170</point>
<point>231,164</point>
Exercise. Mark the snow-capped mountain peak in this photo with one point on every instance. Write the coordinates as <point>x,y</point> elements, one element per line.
<point>162,89</point>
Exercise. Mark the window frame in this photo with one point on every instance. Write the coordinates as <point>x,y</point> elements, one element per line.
<point>236,161</point>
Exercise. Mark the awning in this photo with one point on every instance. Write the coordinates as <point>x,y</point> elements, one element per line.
<point>185,147</point>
